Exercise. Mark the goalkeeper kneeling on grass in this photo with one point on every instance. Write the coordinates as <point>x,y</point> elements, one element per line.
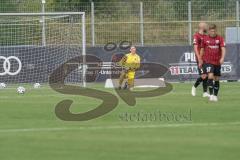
<point>130,63</point>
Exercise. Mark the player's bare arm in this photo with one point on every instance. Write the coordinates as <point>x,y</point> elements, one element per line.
<point>196,52</point>
<point>223,49</point>
<point>200,57</point>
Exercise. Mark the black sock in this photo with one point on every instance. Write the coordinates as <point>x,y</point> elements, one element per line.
<point>205,85</point>
<point>210,86</point>
<point>198,81</point>
<point>216,87</point>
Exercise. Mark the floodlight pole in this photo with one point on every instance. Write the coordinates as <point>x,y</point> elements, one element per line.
<point>43,24</point>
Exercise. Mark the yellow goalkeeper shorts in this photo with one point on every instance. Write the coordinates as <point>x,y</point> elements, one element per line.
<point>130,75</point>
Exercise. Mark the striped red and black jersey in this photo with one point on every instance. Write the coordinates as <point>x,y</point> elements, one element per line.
<point>197,40</point>
<point>212,49</point>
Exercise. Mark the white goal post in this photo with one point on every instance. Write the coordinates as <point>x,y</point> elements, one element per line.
<point>11,29</point>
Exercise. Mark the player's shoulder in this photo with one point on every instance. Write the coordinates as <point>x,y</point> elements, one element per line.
<point>125,56</point>
<point>196,35</point>
<point>199,34</point>
<point>220,40</point>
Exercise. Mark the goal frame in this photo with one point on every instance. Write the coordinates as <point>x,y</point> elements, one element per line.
<point>83,30</point>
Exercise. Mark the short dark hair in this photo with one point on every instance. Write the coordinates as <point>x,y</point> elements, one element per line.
<point>212,26</point>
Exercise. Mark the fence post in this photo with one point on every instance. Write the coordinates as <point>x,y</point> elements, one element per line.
<point>84,67</point>
<point>190,22</point>
<point>141,24</point>
<point>43,24</point>
<point>92,24</point>
<point>237,19</point>
<point>238,54</point>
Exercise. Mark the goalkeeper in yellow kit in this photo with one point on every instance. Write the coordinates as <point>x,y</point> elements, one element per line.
<point>130,63</point>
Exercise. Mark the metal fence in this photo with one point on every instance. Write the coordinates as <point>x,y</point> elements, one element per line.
<point>146,23</point>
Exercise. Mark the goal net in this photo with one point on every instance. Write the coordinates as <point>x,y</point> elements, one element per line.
<point>33,45</point>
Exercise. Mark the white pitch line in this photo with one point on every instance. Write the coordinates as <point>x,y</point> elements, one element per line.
<point>116,127</point>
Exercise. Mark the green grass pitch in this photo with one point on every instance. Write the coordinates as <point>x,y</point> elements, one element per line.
<point>29,129</point>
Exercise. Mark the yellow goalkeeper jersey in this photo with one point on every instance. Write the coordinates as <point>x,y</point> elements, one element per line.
<point>131,61</point>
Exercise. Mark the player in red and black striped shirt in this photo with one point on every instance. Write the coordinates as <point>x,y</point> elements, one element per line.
<point>197,41</point>
<point>213,53</point>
